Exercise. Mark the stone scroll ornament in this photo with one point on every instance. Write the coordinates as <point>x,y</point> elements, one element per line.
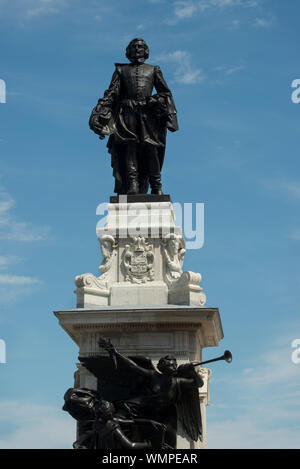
<point>108,247</point>
<point>138,261</point>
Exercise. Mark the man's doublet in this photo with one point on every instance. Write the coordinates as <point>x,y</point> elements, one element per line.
<point>137,81</point>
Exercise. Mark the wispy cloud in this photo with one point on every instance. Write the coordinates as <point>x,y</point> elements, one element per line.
<point>12,229</point>
<point>185,9</point>
<point>288,190</point>
<point>8,279</point>
<point>37,8</point>
<point>265,401</point>
<point>276,367</point>
<point>14,287</point>
<point>185,73</point>
<point>232,70</point>
<point>5,261</point>
<point>289,187</point>
<point>252,431</point>
<point>26,425</point>
<point>31,9</point>
<point>44,7</point>
<point>235,24</point>
<point>295,235</point>
<point>189,8</point>
<point>263,22</point>
<point>224,72</point>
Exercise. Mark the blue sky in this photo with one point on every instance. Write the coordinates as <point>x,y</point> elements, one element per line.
<point>230,65</point>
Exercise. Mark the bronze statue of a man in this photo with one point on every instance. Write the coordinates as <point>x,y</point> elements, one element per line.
<point>136,122</point>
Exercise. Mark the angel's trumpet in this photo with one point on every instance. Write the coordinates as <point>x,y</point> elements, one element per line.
<point>227,356</point>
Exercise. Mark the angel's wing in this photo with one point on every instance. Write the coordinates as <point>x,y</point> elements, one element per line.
<point>188,406</point>
<point>117,381</point>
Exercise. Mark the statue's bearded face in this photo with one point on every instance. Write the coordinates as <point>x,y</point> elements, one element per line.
<point>137,51</point>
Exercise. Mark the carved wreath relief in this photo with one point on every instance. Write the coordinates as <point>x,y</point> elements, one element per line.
<point>138,261</point>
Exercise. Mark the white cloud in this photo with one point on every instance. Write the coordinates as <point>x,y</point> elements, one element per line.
<point>30,9</point>
<point>292,187</point>
<point>235,24</point>
<point>11,294</point>
<point>14,287</point>
<point>264,404</point>
<point>226,71</point>
<point>11,229</point>
<point>250,431</point>
<point>36,8</point>
<point>185,72</point>
<point>295,235</point>
<point>288,187</point>
<point>8,279</point>
<point>277,367</point>
<point>34,426</point>
<point>5,261</point>
<point>262,22</point>
<point>232,70</point>
<point>221,3</point>
<point>186,9</point>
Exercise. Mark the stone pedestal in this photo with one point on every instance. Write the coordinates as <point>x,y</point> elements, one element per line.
<point>143,254</point>
<point>143,300</point>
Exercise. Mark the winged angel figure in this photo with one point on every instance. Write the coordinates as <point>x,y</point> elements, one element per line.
<point>141,393</point>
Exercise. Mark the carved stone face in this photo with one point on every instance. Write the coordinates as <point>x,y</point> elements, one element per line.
<point>173,246</point>
<point>106,248</point>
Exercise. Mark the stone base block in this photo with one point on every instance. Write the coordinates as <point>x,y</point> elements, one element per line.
<point>155,293</point>
<point>87,298</point>
<point>187,297</point>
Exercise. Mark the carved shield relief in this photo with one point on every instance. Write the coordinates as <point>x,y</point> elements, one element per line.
<point>138,261</point>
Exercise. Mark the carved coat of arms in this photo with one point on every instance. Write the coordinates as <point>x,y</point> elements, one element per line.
<point>138,261</point>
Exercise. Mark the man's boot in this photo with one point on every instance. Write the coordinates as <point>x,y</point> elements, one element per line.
<point>133,187</point>
<point>154,171</point>
<point>157,190</point>
<point>155,183</point>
